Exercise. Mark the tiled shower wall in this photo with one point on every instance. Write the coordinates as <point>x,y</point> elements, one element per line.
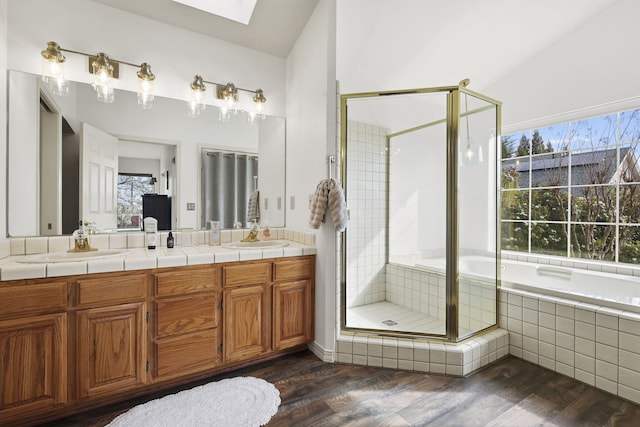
<point>425,292</point>
<point>416,290</point>
<point>366,194</point>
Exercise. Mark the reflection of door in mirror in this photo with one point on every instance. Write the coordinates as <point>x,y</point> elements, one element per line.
<point>50,159</point>
<point>98,178</point>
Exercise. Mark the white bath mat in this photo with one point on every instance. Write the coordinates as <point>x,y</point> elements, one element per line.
<point>241,402</point>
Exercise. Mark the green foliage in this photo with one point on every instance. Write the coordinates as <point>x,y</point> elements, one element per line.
<point>536,144</point>
<point>538,218</point>
<point>523,147</point>
<point>508,149</point>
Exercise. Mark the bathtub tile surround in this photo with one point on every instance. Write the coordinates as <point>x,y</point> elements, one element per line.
<point>459,359</point>
<point>597,345</point>
<point>591,265</point>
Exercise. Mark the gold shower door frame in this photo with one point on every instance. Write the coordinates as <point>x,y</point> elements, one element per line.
<point>452,121</point>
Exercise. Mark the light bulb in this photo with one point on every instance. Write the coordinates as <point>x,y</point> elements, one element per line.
<point>145,94</point>
<point>469,151</point>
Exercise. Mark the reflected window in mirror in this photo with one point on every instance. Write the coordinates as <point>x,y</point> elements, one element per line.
<point>131,187</point>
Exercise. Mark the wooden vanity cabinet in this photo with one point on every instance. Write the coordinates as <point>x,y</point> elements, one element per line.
<point>247,309</point>
<point>268,306</point>
<point>33,349</point>
<point>111,329</point>
<point>75,342</point>
<point>293,312</point>
<point>186,326</point>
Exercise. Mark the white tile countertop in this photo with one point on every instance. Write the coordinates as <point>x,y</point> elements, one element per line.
<point>141,258</point>
<point>134,257</point>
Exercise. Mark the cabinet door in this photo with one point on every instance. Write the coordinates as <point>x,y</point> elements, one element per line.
<point>246,322</point>
<point>112,351</point>
<point>33,369</point>
<point>292,314</point>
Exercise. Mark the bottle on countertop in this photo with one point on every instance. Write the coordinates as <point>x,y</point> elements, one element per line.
<point>151,231</point>
<point>214,233</point>
<point>170,240</point>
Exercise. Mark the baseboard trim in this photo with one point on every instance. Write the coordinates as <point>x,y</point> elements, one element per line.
<point>323,354</point>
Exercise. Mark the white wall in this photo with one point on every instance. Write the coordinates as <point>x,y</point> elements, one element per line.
<point>25,156</point>
<point>595,64</point>
<point>174,54</point>
<point>4,243</point>
<point>271,137</point>
<point>311,124</point>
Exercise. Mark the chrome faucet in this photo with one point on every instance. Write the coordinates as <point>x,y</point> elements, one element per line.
<point>253,234</point>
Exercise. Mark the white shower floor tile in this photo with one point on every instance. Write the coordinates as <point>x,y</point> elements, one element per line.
<point>374,316</point>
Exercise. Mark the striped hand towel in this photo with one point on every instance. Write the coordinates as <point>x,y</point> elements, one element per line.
<point>253,210</point>
<point>337,205</point>
<point>319,204</point>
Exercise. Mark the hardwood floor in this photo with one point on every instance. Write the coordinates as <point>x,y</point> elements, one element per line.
<point>510,393</point>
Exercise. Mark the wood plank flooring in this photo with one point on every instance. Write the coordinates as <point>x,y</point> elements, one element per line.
<point>511,392</point>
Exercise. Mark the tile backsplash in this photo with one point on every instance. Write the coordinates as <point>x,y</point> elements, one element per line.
<point>35,245</point>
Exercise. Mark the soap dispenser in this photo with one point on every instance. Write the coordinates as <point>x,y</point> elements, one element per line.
<point>170,241</point>
<point>151,232</point>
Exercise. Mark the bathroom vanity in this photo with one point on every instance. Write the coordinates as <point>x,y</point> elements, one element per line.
<point>74,342</point>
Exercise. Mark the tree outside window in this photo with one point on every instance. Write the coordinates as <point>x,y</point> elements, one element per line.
<point>131,187</point>
<point>573,189</point>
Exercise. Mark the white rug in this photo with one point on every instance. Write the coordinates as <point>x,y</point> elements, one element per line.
<point>241,402</point>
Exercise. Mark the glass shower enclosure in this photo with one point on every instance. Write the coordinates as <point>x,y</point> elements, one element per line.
<point>420,254</point>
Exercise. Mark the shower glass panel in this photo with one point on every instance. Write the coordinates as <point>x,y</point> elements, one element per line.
<point>420,176</point>
<point>477,226</point>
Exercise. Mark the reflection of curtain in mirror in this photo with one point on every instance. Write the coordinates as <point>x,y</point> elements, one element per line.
<point>227,183</point>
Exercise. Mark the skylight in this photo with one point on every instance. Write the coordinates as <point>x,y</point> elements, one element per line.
<point>236,10</point>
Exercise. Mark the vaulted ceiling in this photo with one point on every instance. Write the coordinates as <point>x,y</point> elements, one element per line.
<point>274,26</point>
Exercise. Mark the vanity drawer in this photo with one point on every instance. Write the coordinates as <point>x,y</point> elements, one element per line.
<point>110,290</point>
<point>180,282</point>
<point>246,274</point>
<point>187,353</point>
<point>33,299</point>
<point>186,314</point>
<point>292,269</point>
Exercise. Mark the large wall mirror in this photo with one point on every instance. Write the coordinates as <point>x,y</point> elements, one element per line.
<point>72,158</point>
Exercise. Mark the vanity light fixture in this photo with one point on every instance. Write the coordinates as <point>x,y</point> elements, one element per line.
<point>258,102</point>
<point>228,95</point>
<point>196,97</point>
<point>104,70</point>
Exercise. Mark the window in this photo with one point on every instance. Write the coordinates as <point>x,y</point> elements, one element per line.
<point>131,187</point>
<point>573,189</point>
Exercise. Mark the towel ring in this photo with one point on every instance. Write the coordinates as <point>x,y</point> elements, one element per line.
<point>331,159</point>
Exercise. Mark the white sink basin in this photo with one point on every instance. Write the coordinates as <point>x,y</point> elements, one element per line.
<point>52,257</point>
<point>262,244</point>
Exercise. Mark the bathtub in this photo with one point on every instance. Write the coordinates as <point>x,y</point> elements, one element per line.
<point>603,289</point>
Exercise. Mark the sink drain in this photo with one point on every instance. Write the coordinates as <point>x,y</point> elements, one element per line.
<point>390,322</point>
